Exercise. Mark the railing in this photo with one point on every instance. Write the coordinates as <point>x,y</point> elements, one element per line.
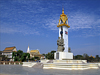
<point>10,62</point>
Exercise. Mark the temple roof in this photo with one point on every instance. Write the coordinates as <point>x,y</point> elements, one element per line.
<point>35,51</point>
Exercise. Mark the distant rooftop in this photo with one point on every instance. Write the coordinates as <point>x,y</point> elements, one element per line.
<point>9,49</point>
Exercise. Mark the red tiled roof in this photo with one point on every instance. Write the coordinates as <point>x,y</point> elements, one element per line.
<point>8,49</point>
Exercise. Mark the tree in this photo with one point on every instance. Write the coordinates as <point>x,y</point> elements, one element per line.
<point>32,59</point>
<point>16,58</point>
<point>50,55</point>
<point>19,53</point>
<point>97,58</point>
<point>44,55</point>
<point>52,52</point>
<point>3,58</point>
<point>20,56</point>
<point>23,57</point>
<point>14,54</point>
<point>69,49</point>
<point>79,57</point>
<point>0,52</point>
<point>36,58</point>
<point>86,57</point>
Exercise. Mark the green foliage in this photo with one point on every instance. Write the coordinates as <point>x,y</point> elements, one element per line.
<point>78,57</point>
<point>4,58</point>
<point>16,58</point>
<point>86,57</point>
<point>36,58</point>
<point>91,59</point>
<point>19,53</point>
<point>97,58</point>
<point>32,59</point>
<point>14,54</point>
<point>23,57</point>
<point>50,55</point>
<point>44,55</point>
<point>20,56</point>
<point>0,52</point>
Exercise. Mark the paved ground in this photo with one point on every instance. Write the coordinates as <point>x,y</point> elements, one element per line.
<point>40,65</point>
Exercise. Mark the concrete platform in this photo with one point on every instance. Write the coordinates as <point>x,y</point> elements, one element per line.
<point>70,65</point>
<point>70,61</point>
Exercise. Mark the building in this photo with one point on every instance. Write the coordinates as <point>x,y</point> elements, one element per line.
<point>36,53</point>
<point>8,52</point>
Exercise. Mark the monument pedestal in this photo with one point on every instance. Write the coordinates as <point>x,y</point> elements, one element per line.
<point>63,55</point>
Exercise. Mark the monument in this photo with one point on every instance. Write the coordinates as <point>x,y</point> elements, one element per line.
<point>63,58</point>
<point>62,42</point>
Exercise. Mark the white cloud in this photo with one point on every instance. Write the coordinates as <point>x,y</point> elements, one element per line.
<point>80,20</point>
<point>37,18</point>
<point>51,24</point>
<point>11,29</point>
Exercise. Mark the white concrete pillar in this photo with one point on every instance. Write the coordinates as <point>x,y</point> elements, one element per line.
<point>65,37</point>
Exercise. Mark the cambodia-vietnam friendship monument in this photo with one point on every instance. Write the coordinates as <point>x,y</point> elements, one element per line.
<point>62,42</point>
<point>62,58</point>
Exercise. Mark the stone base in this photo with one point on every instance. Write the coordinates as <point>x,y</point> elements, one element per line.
<point>70,65</point>
<point>63,55</point>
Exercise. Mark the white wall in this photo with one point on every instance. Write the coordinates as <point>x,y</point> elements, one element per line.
<point>65,37</point>
<point>14,49</point>
<point>63,55</point>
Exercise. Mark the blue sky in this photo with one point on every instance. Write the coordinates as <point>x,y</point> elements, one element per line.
<point>34,22</point>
